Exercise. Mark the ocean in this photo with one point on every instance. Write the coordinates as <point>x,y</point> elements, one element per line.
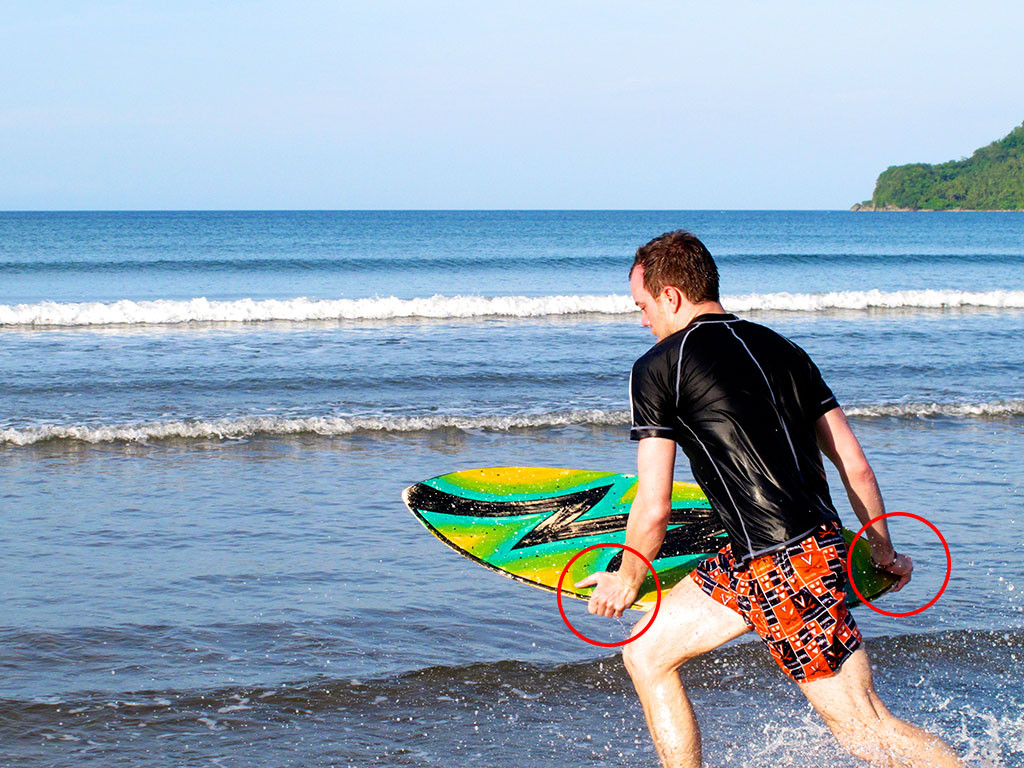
<point>207,420</point>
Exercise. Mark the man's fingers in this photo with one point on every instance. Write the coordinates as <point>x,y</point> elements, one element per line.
<point>607,599</point>
<point>903,567</point>
<point>904,580</point>
<point>604,608</point>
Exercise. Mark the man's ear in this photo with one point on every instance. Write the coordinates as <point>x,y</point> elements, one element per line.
<point>674,297</point>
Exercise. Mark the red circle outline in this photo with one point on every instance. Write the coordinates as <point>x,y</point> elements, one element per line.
<point>581,636</point>
<point>849,564</point>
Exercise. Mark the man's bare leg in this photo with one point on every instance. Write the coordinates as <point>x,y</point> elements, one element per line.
<point>862,724</point>
<point>689,623</point>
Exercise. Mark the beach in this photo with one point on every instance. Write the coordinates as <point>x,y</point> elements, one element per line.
<point>208,419</point>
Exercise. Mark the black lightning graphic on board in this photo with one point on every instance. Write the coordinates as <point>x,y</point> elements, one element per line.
<point>695,526</point>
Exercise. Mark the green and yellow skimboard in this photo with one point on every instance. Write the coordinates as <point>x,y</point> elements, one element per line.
<point>527,523</point>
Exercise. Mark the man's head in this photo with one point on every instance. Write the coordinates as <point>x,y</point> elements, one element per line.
<point>672,278</point>
<point>680,260</point>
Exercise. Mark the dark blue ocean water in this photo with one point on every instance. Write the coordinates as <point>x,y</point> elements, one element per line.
<point>206,421</point>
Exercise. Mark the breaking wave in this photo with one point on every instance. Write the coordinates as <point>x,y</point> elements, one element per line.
<point>340,426</point>
<point>201,310</point>
<point>997,410</point>
<point>277,426</point>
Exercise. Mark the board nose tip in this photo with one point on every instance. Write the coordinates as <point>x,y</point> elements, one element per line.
<point>406,493</point>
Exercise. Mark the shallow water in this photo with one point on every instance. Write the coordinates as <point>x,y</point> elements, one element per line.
<point>207,561</point>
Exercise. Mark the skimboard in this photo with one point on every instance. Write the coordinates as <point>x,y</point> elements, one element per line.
<point>527,523</point>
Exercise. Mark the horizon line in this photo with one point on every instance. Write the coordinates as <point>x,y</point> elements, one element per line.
<point>457,210</point>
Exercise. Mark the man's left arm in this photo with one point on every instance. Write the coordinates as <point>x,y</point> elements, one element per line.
<point>645,529</point>
<point>837,441</point>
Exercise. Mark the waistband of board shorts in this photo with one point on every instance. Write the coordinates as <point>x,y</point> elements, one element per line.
<point>764,559</point>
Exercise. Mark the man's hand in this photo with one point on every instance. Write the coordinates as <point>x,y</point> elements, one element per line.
<point>612,594</point>
<point>902,566</point>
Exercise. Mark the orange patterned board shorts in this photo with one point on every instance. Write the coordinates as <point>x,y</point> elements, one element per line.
<point>793,599</point>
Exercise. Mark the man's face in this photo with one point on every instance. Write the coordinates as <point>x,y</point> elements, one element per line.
<point>652,309</point>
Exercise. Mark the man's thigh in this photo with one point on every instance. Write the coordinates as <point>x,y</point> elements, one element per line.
<point>689,623</point>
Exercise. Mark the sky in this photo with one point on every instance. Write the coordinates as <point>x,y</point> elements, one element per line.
<point>482,105</point>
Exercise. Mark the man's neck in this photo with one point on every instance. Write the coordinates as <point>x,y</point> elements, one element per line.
<point>686,316</point>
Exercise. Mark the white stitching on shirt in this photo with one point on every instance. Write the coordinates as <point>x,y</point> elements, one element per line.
<point>771,392</point>
<point>679,363</point>
<point>679,370</point>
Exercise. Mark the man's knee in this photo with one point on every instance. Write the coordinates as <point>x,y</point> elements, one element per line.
<point>640,661</point>
<point>649,657</point>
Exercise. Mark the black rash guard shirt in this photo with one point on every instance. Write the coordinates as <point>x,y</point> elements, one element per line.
<point>741,401</point>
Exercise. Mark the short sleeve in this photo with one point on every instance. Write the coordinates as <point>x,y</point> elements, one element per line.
<point>651,400</point>
<point>819,397</point>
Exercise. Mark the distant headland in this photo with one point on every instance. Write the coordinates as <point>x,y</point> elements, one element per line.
<point>992,179</point>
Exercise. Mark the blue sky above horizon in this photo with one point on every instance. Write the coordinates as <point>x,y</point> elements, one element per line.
<point>354,105</point>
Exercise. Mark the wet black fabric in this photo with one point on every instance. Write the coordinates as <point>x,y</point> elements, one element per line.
<point>741,401</point>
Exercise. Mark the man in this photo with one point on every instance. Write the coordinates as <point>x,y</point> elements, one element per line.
<point>752,413</point>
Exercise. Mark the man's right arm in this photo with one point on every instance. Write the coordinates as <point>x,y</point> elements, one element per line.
<point>645,529</point>
<point>837,441</point>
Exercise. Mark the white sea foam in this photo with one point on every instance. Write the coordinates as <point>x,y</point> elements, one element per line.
<point>201,310</point>
<point>328,426</point>
<point>164,312</point>
<point>874,299</point>
<point>995,410</point>
<point>340,426</point>
<point>984,738</point>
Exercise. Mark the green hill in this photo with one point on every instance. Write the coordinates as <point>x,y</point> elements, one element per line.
<point>992,179</point>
